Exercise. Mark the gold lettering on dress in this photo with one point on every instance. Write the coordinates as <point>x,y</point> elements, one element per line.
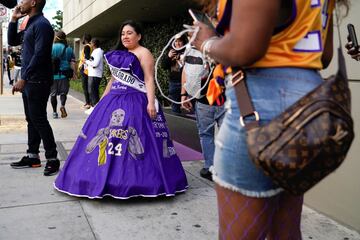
<point>118,133</point>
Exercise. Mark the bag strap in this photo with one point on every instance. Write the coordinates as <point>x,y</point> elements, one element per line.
<point>243,97</point>
<point>244,101</point>
<point>63,52</point>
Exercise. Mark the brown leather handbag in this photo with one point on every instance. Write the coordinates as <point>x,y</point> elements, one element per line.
<point>306,142</point>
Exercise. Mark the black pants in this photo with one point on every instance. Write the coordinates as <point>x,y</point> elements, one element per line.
<point>93,87</point>
<point>84,79</point>
<point>53,100</point>
<point>9,75</point>
<point>35,97</point>
<point>59,87</point>
<point>174,94</point>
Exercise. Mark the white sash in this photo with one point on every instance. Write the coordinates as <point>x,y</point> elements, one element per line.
<point>127,79</point>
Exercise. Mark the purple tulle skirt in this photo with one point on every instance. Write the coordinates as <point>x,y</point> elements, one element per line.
<point>122,153</point>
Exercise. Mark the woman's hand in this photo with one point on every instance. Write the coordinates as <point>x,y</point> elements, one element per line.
<point>353,52</point>
<point>187,106</point>
<point>171,53</point>
<point>17,14</point>
<point>205,32</point>
<point>151,110</point>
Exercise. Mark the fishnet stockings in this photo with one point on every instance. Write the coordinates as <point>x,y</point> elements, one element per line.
<point>246,218</point>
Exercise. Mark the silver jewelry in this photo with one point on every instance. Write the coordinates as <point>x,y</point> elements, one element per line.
<point>206,48</point>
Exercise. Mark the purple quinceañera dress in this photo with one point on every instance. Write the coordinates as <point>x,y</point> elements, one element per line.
<point>121,152</point>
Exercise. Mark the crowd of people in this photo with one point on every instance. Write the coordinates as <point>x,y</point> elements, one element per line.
<point>64,72</point>
<point>125,144</point>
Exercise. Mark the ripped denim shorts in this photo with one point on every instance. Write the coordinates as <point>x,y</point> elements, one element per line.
<point>272,90</point>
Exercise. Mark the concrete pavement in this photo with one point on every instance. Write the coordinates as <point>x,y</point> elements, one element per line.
<point>31,209</point>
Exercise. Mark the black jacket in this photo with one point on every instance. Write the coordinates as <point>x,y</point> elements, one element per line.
<point>174,67</point>
<point>36,48</point>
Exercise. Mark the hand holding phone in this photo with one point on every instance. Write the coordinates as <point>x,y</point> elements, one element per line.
<point>352,46</point>
<point>352,36</point>
<point>205,29</point>
<point>17,14</point>
<point>201,17</point>
<point>172,53</point>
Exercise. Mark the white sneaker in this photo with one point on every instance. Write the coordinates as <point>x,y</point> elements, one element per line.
<point>89,111</point>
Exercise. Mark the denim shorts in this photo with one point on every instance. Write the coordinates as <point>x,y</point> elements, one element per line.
<point>272,90</point>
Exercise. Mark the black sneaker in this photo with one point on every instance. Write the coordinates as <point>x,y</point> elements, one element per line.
<point>205,173</point>
<point>51,167</point>
<point>26,162</point>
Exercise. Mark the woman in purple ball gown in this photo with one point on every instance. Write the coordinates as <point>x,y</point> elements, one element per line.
<point>124,148</point>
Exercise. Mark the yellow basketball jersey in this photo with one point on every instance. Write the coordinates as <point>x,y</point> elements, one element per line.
<point>82,58</point>
<point>221,9</point>
<point>301,43</point>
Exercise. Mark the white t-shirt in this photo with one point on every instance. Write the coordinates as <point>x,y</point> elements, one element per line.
<point>95,64</point>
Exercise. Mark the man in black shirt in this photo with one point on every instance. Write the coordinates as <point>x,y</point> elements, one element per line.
<point>36,80</point>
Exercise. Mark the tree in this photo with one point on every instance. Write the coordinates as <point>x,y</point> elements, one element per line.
<point>58,18</point>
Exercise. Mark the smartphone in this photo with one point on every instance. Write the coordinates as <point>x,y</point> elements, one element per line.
<point>201,17</point>
<point>352,36</point>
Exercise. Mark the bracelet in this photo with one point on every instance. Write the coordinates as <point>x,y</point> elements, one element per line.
<point>206,48</point>
<point>184,95</point>
<point>206,41</point>
<point>203,45</point>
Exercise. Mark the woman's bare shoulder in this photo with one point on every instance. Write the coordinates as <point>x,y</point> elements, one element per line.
<point>144,54</point>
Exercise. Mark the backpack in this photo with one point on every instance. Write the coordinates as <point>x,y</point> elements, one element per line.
<point>195,72</point>
<point>56,62</point>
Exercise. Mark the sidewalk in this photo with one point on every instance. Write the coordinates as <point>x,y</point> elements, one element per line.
<point>31,209</point>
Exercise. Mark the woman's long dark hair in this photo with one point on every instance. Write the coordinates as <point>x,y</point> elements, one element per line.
<point>137,28</point>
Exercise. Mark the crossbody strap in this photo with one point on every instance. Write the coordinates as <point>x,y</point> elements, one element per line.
<point>63,52</point>
<point>244,101</point>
